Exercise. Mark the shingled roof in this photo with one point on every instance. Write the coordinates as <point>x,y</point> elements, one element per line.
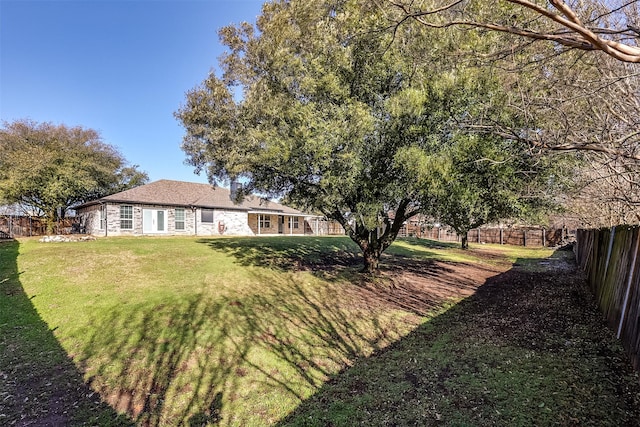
<point>179,193</point>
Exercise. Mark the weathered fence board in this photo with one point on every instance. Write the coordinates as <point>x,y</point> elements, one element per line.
<point>23,226</point>
<point>611,261</point>
<point>517,236</point>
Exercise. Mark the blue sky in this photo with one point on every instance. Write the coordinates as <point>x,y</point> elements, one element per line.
<point>120,67</point>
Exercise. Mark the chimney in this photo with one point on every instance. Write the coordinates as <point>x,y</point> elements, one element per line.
<point>236,192</point>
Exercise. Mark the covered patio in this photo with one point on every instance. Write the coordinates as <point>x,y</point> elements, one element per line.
<point>279,223</point>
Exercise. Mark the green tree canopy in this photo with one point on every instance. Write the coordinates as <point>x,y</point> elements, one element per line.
<point>575,80</point>
<point>55,167</point>
<point>323,105</point>
<point>488,179</point>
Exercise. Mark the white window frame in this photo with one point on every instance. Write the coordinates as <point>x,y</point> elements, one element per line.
<point>126,217</point>
<point>178,221</point>
<point>103,217</point>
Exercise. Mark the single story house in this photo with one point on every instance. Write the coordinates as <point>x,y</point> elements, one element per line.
<point>168,207</point>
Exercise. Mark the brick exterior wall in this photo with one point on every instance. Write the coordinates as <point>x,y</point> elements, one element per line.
<point>90,220</point>
<point>225,222</point>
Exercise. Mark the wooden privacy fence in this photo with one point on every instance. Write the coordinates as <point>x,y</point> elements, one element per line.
<point>517,236</point>
<point>509,236</point>
<point>23,226</point>
<point>610,260</point>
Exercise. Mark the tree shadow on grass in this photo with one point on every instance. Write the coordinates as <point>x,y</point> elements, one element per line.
<point>420,286</point>
<point>194,360</point>
<point>165,363</point>
<point>289,254</point>
<point>413,280</point>
<point>432,244</point>
<point>39,384</point>
<point>528,348</point>
<point>359,353</point>
<point>323,256</point>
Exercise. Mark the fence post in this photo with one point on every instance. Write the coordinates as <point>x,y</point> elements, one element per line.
<point>524,237</point>
<point>544,238</point>
<point>478,234</point>
<point>626,295</point>
<point>501,236</point>
<point>439,233</point>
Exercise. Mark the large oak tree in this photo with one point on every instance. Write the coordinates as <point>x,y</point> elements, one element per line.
<point>322,104</point>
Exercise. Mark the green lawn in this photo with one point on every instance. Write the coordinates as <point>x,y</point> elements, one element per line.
<point>263,331</point>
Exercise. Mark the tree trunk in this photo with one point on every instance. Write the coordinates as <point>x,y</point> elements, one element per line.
<point>465,242</point>
<point>371,260</point>
<point>51,222</point>
<point>371,241</point>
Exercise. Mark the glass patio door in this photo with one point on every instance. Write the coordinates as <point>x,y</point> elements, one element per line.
<point>153,221</point>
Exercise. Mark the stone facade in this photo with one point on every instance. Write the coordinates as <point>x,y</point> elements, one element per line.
<point>94,222</point>
<point>225,222</point>
<point>168,207</point>
<point>90,219</point>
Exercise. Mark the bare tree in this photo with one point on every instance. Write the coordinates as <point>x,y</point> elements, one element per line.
<point>585,105</point>
<point>607,192</point>
<point>610,26</point>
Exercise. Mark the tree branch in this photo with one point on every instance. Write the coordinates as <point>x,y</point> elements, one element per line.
<point>580,36</point>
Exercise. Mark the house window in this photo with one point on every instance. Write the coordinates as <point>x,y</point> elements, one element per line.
<point>179,219</point>
<point>265,221</point>
<point>126,217</point>
<point>296,222</point>
<point>103,217</point>
<point>206,215</point>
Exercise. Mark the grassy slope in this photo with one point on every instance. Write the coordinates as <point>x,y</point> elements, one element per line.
<point>240,331</point>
